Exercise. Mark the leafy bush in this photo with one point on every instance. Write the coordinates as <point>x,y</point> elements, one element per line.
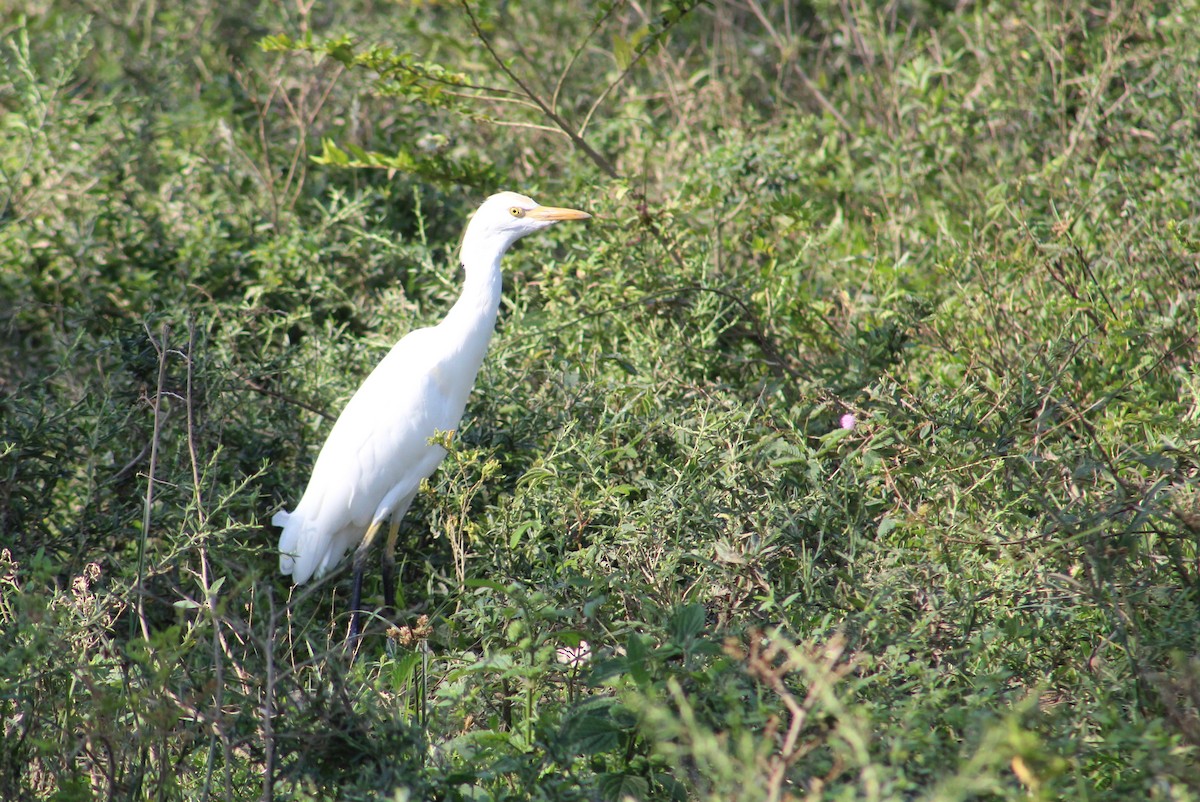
<point>848,452</point>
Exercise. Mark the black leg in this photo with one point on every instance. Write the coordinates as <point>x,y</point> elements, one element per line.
<point>389,567</point>
<point>360,563</point>
<point>356,597</point>
<point>389,583</point>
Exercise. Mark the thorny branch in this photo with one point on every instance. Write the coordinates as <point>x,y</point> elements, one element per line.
<point>772,661</point>
<point>755,329</point>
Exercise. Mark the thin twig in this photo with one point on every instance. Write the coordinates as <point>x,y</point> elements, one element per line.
<point>597,158</point>
<point>549,129</point>
<point>620,79</point>
<point>268,706</point>
<point>218,644</point>
<point>258,388</point>
<point>493,96</point>
<point>191,421</point>
<point>161,347</point>
<point>756,331</point>
<point>304,124</point>
<point>562,76</point>
<point>130,466</point>
<point>782,45</point>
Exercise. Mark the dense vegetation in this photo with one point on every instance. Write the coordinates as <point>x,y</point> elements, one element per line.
<point>849,452</point>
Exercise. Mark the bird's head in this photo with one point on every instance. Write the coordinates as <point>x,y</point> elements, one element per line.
<point>507,216</point>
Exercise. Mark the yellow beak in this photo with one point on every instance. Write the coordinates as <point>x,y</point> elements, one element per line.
<point>553,213</point>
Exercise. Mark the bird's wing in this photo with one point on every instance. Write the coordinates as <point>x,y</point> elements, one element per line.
<point>378,446</point>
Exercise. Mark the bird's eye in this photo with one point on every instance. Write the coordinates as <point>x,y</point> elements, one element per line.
<point>516,211</point>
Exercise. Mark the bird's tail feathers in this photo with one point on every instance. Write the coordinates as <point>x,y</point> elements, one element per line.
<point>291,541</point>
<point>309,547</point>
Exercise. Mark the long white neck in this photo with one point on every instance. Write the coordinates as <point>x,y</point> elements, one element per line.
<point>470,322</point>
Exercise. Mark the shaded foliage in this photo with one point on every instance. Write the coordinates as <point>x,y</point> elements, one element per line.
<point>850,451</point>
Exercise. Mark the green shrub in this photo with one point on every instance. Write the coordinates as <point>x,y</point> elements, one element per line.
<point>848,452</point>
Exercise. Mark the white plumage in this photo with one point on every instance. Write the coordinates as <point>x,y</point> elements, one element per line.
<point>378,451</point>
<point>374,458</point>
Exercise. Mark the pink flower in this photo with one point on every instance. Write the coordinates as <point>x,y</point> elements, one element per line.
<point>847,421</point>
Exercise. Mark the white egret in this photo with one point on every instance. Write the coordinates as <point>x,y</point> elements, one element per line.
<point>379,450</point>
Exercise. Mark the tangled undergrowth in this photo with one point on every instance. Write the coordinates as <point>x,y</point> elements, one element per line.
<point>850,452</point>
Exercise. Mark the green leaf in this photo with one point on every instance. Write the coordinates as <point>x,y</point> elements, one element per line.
<point>341,50</point>
<point>592,734</point>
<point>332,154</point>
<point>275,43</point>
<point>687,623</point>
<point>635,656</point>
<point>622,52</point>
<point>626,50</point>
<point>490,584</point>
<point>615,787</point>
